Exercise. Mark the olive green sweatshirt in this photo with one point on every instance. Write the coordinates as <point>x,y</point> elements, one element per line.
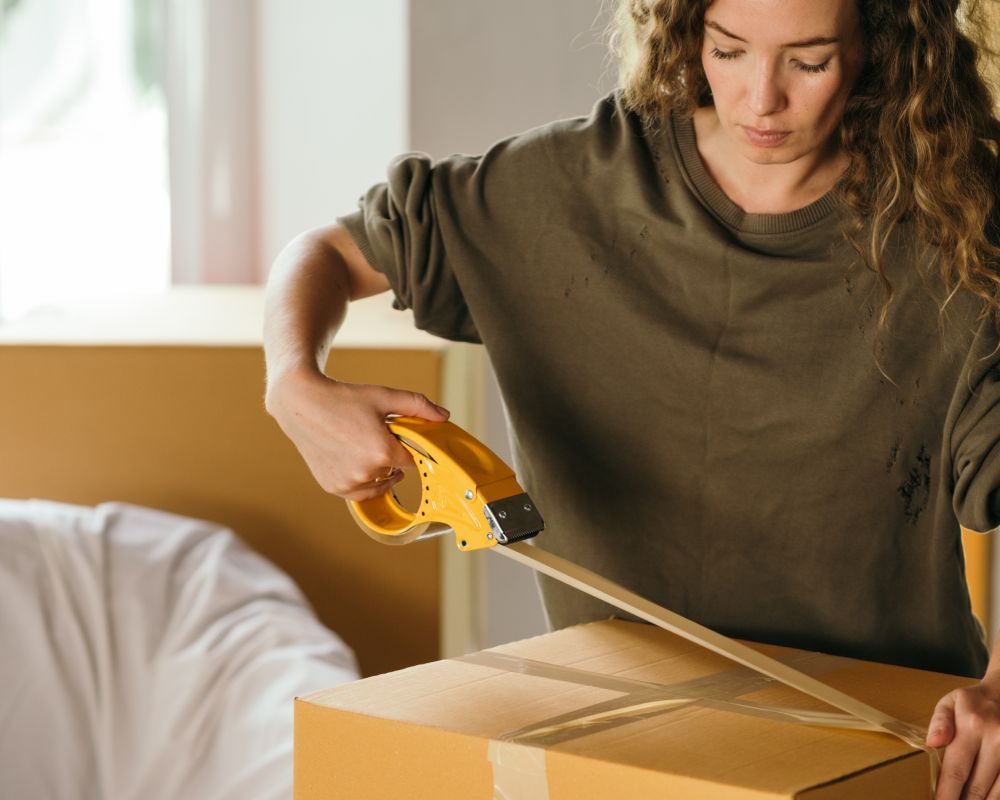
<point>696,394</point>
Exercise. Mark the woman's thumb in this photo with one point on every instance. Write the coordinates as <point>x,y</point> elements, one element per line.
<point>942,726</point>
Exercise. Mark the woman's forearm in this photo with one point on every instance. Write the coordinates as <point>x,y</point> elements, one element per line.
<point>307,295</point>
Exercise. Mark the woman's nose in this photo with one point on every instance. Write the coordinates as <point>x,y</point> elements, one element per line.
<point>765,94</point>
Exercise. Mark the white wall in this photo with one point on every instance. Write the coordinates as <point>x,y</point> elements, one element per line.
<point>332,109</point>
<point>482,70</point>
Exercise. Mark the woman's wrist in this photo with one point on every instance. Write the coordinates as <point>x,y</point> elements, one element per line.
<point>290,379</point>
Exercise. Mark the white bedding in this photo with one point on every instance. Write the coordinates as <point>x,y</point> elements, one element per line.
<point>146,655</point>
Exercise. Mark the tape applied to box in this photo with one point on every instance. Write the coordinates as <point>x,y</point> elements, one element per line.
<point>517,757</point>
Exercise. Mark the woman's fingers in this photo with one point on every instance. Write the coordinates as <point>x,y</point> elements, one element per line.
<point>373,489</point>
<point>340,430</point>
<point>968,721</point>
<point>412,404</point>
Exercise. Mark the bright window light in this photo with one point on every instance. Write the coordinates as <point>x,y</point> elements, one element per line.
<point>84,205</point>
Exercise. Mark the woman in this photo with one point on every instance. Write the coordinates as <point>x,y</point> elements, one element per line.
<point>743,317</point>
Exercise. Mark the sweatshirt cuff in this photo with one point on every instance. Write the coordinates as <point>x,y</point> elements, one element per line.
<point>354,223</point>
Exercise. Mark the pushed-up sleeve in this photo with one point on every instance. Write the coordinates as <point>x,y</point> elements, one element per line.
<point>976,431</point>
<point>400,229</point>
<point>976,447</point>
<point>456,237</point>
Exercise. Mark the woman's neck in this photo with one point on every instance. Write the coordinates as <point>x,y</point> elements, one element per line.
<point>763,188</point>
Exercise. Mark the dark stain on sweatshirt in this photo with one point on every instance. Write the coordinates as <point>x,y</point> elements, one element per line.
<point>916,489</point>
<point>891,461</point>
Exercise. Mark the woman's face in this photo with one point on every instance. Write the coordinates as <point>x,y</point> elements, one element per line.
<point>780,72</point>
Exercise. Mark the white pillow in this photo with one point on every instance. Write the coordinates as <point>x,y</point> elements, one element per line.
<point>147,655</point>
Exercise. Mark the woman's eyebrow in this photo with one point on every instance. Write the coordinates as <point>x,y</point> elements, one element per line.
<point>813,42</point>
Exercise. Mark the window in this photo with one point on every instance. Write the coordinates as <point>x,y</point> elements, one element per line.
<point>84,205</point>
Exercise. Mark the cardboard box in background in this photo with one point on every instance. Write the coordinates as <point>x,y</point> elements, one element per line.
<point>608,710</point>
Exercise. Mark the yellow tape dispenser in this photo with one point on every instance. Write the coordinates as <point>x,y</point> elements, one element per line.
<point>466,488</point>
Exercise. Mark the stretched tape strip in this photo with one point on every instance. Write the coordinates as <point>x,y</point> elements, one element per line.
<point>518,756</point>
<point>600,587</point>
<point>862,715</point>
<point>641,699</point>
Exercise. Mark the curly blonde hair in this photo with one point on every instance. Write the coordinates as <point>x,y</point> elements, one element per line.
<point>920,126</point>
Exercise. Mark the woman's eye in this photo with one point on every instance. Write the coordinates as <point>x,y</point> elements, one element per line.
<point>724,54</point>
<point>728,55</point>
<point>812,68</point>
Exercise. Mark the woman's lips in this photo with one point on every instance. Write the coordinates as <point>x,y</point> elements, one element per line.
<point>764,138</point>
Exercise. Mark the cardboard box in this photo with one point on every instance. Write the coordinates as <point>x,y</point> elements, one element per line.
<point>608,710</point>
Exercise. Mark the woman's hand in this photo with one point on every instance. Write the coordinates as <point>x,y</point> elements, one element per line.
<point>967,722</point>
<point>340,431</point>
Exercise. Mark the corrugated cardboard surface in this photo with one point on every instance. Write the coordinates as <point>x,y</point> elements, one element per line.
<point>424,732</point>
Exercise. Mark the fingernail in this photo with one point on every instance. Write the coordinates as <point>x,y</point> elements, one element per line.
<point>442,409</point>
